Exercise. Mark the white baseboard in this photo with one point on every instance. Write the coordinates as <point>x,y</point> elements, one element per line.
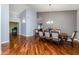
<point>26,35</point>
<point>77,40</point>
<point>23,34</point>
<point>0,51</point>
<point>4,42</point>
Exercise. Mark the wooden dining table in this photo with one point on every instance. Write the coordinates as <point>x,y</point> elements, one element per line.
<point>62,35</point>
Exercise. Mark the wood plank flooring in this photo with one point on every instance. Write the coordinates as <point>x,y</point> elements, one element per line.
<point>30,46</point>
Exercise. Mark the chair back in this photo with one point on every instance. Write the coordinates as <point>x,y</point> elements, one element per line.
<point>40,33</point>
<point>55,35</point>
<point>73,35</point>
<point>47,34</point>
<point>56,30</point>
<point>36,31</point>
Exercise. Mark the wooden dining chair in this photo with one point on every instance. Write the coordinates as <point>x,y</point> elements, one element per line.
<point>56,30</point>
<point>41,35</point>
<point>55,37</point>
<point>36,33</point>
<point>47,35</point>
<point>71,39</point>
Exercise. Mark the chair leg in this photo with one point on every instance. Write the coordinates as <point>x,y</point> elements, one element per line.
<point>72,44</point>
<point>42,39</point>
<point>58,43</point>
<point>39,38</point>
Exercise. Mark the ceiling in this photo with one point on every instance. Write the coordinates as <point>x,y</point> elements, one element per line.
<point>54,7</point>
<point>16,9</point>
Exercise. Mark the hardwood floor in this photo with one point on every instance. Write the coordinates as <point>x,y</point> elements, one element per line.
<point>30,46</point>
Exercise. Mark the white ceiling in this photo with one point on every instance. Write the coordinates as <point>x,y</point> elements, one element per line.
<point>54,7</point>
<point>16,9</point>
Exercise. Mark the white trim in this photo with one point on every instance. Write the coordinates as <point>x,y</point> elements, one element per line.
<point>14,21</point>
<point>23,34</point>
<point>76,40</point>
<point>4,42</point>
<point>28,35</point>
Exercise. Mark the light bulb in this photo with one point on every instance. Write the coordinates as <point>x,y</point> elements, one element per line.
<point>48,22</point>
<point>23,21</point>
<point>51,22</point>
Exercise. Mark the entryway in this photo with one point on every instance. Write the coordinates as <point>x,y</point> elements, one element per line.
<point>13,32</point>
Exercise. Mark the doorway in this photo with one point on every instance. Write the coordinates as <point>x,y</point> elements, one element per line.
<point>13,31</point>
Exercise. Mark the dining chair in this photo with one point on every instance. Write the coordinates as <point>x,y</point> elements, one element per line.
<point>14,31</point>
<point>56,30</point>
<point>55,37</point>
<point>71,39</point>
<point>41,35</point>
<point>36,33</point>
<point>47,35</point>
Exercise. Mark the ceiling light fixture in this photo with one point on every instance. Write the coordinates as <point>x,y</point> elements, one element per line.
<point>23,21</point>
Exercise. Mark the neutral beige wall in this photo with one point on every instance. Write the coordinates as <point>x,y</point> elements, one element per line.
<point>66,20</point>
